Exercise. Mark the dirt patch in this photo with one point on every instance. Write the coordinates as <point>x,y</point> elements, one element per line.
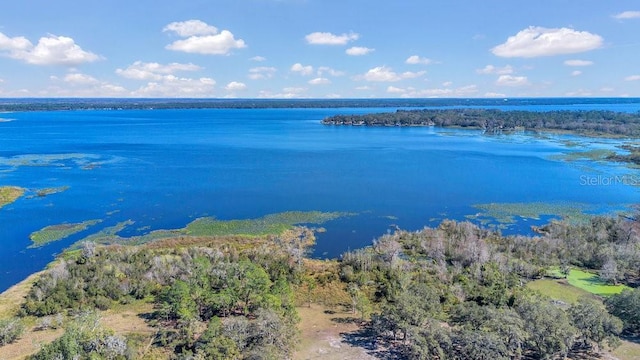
<point>323,335</point>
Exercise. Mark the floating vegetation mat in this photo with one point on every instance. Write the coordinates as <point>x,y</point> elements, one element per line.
<point>589,282</point>
<point>9,194</point>
<point>47,191</point>
<point>58,232</point>
<point>508,213</point>
<point>594,155</point>
<point>273,224</point>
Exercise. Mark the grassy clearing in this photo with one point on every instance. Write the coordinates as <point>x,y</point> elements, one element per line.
<point>9,194</point>
<point>629,349</point>
<point>590,282</point>
<point>58,232</point>
<point>558,289</point>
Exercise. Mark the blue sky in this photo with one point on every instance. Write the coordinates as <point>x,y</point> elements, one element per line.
<point>319,48</point>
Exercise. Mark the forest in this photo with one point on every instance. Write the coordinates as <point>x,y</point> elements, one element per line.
<point>456,291</point>
<point>493,121</point>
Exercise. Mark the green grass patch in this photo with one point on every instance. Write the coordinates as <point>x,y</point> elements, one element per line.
<point>9,194</point>
<point>589,282</point>
<point>558,290</point>
<point>58,232</point>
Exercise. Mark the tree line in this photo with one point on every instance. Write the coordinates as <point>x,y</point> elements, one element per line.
<point>493,121</point>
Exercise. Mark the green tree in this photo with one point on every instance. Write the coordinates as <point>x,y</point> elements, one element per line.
<point>594,323</point>
<point>626,306</point>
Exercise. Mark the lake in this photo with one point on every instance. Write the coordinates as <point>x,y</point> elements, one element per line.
<point>164,168</point>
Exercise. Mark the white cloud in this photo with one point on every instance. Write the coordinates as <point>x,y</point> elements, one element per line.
<point>578,62</point>
<point>324,69</point>
<point>510,80</point>
<point>258,58</point>
<point>632,78</point>
<point>327,38</point>
<point>80,79</point>
<point>490,69</point>
<point>235,86</point>
<point>191,28</point>
<point>358,51</point>
<point>202,38</point>
<point>50,50</point>
<point>302,69</point>
<point>494,95</point>
<point>261,73</point>
<point>172,86</point>
<point>364,88</point>
<point>579,93</point>
<point>576,73</point>
<point>287,93</point>
<point>539,41</point>
<point>628,15</point>
<point>383,74</point>
<point>447,83</point>
<point>395,90</point>
<point>415,60</point>
<point>319,81</point>
<point>154,71</point>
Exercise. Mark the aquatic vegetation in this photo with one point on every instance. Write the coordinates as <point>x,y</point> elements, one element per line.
<point>594,155</point>
<point>506,213</point>
<point>9,194</point>
<point>558,290</point>
<point>108,235</point>
<point>48,191</point>
<point>272,224</point>
<point>58,232</point>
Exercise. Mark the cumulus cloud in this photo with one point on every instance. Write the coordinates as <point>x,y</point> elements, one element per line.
<point>50,50</point>
<point>154,71</point>
<point>538,41</point>
<point>191,28</point>
<point>358,51</point>
<point>490,69</point>
<point>202,38</point>
<point>261,73</point>
<point>632,78</point>
<point>319,81</point>
<point>235,86</point>
<point>258,58</point>
<point>327,38</point>
<point>287,93</point>
<point>302,69</point>
<point>578,62</point>
<point>576,73</point>
<point>494,95</point>
<point>411,92</point>
<point>627,15</point>
<point>385,74</point>
<point>416,60</point>
<point>172,86</point>
<point>395,90</point>
<point>327,70</point>
<point>510,80</point>
<point>80,79</point>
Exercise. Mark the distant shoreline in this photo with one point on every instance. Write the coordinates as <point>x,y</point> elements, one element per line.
<point>61,104</point>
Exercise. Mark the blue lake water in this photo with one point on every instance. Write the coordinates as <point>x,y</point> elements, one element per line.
<point>163,168</point>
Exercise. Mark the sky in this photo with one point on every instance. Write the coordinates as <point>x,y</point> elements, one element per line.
<point>319,48</point>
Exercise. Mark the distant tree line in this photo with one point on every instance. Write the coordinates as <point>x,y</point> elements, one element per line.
<point>492,121</point>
